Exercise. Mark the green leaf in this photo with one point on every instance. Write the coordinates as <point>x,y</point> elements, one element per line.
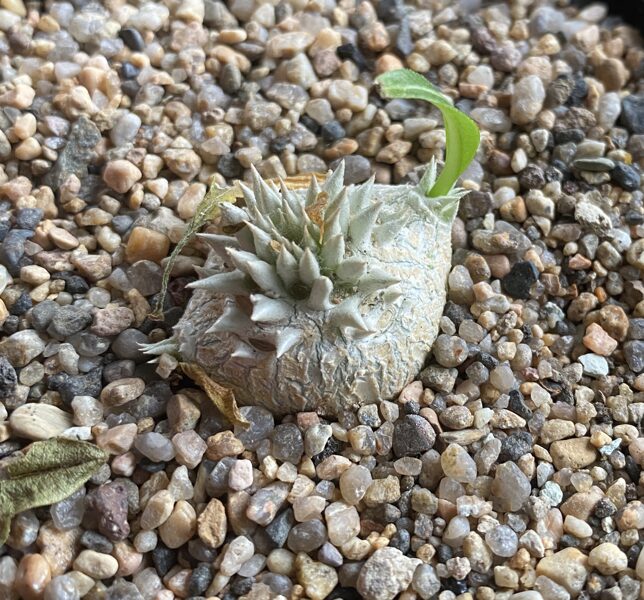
<point>462,134</point>
<point>49,472</point>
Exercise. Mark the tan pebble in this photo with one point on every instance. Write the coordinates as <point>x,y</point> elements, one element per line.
<point>568,568</point>
<point>34,275</point>
<point>17,7</point>
<point>25,125</point>
<point>121,175</point>
<point>287,45</point>
<point>36,421</point>
<point>58,547</point>
<point>146,244</point>
<point>158,510</point>
<point>96,564</point>
<point>574,453</point>
<point>180,526</point>
<point>577,527</point>
<point>20,97</point>
<point>28,149</point>
<point>62,238</point>
<point>121,391</point>
<point>129,560</point>
<point>93,266</point>
<point>32,577</point>
<point>598,341</point>
<point>223,444</point>
<point>212,524</point>
<point>556,429</point>
<point>608,559</point>
<point>317,578</point>
<point>117,440</point>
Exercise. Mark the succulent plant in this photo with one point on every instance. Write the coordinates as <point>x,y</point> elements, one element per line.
<point>320,299</point>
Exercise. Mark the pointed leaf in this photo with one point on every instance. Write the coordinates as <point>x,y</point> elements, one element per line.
<point>462,134</point>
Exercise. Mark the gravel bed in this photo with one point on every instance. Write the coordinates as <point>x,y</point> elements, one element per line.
<point>511,469</point>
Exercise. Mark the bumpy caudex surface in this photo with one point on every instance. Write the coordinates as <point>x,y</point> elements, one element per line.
<point>320,299</point>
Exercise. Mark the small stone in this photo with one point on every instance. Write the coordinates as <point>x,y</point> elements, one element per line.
<point>189,448</point>
<point>527,100</point>
<point>146,244</point>
<point>519,280</point>
<point>458,464</point>
<point>307,536</point>
<point>110,502</point>
<point>122,391</point>
<point>511,488</point>
<point>154,446</point>
<point>266,503</point>
<point>121,175</point>
<point>594,365</point>
<point>240,475</point>
<point>261,422</point>
<point>412,435</point>
<point>574,453</point>
<point>317,579</point>
<point>626,177</point>
<point>343,522</point>
<point>502,540</point>
<point>235,555</point>
<point>157,510</point>
<point>96,564</point>
<point>180,526</point>
<point>223,444</point>
<point>212,524</point>
<point>450,351</point>
<point>39,421</point>
<point>288,444</point>
<point>354,483</point>
<point>22,347</point>
<point>568,568</point>
<point>632,113</point>
<point>386,574</point>
<point>32,577</point>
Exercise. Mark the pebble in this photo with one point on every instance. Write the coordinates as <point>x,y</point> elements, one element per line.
<point>238,551</point>
<point>317,579</point>
<point>39,421</point>
<point>458,464</point>
<point>96,564</point>
<point>567,567</point>
<point>527,100</point>
<point>386,574</point>
<point>180,526</point>
<point>32,577</point>
<point>412,435</point>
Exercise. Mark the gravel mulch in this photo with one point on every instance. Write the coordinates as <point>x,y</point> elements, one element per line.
<point>511,470</point>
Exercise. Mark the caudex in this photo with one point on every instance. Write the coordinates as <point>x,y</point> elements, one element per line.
<point>329,297</point>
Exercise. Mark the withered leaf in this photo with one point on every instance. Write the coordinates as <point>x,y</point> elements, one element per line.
<point>222,397</point>
<point>49,472</point>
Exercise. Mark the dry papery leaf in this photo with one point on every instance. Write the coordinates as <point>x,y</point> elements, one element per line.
<point>48,472</point>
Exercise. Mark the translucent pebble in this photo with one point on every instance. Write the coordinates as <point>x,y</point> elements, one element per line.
<point>456,531</point>
<point>503,541</point>
<point>354,483</point>
<point>62,587</point>
<point>154,446</point>
<point>68,513</point>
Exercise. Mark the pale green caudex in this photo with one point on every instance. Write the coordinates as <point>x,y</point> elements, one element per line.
<point>326,298</point>
<point>462,134</point>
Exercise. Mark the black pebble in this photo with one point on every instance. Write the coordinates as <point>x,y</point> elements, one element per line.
<point>163,558</point>
<point>74,284</point>
<point>626,177</point>
<point>21,305</point>
<point>519,280</point>
<point>518,406</point>
<point>132,39</point>
<point>351,52</point>
<point>332,131</point>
